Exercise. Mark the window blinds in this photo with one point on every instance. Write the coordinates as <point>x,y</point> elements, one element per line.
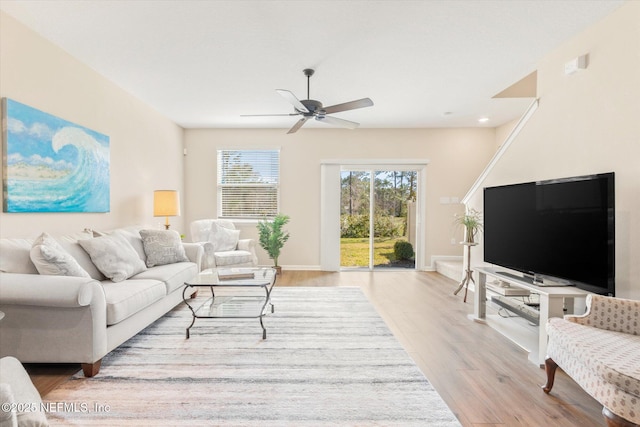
<point>248,183</point>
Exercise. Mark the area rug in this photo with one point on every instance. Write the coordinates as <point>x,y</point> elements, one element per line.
<point>328,360</point>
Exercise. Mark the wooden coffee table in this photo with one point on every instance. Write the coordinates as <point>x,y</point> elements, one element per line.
<point>247,294</point>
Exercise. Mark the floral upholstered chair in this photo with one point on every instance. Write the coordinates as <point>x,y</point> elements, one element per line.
<point>600,350</point>
<point>222,244</point>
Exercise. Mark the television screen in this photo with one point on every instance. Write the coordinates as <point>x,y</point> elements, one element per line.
<point>562,229</point>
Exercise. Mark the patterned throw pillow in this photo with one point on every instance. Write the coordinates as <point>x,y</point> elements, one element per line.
<point>223,239</point>
<point>113,256</point>
<point>51,258</point>
<point>162,247</point>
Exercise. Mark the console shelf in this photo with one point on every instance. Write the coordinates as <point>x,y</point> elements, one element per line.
<point>553,301</point>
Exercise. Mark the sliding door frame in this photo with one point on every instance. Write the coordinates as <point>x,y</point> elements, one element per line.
<point>330,204</point>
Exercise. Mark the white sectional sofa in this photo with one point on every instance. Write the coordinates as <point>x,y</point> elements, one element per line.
<point>124,283</point>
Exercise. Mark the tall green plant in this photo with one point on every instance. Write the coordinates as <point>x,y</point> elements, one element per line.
<point>272,237</point>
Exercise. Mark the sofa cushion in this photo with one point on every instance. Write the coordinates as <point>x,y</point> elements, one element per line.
<point>232,257</point>
<point>51,259</point>
<point>15,256</point>
<point>162,247</point>
<point>114,256</point>
<point>173,275</point>
<point>613,356</point>
<point>132,235</point>
<point>612,314</point>
<point>130,296</point>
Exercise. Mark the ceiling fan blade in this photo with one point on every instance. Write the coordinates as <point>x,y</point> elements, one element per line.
<point>267,115</point>
<point>298,125</point>
<point>360,103</point>
<point>338,122</point>
<point>293,100</point>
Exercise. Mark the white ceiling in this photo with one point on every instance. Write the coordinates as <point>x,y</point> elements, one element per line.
<point>204,63</point>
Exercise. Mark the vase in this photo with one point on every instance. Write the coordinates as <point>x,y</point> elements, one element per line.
<point>470,235</point>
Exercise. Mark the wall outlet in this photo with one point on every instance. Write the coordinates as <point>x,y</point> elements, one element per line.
<point>453,241</point>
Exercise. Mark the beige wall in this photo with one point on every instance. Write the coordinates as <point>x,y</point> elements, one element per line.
<point>587,123</point>
<point>456,157</point>
<point>146,148</point>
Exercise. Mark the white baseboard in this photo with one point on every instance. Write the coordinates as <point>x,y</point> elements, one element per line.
<point>296,267</point>
<point>435,258</point>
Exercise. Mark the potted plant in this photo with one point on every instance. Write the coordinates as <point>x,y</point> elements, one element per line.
<point>472,222</point>
<point>272,237</point>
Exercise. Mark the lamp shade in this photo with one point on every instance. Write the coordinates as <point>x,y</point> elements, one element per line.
<point>166,203</point>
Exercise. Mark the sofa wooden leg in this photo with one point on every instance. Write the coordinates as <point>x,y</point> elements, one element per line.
<point>550,368</point>
<point>91,369</point>
<point>614,420</point>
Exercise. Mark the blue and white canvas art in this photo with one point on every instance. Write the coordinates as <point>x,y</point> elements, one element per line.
<point>52,165</point>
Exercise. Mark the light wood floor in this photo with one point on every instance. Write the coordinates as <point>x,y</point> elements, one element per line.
<point>483,377</point>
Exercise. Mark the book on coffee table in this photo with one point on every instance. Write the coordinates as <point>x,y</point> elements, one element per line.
<point>235,273</point>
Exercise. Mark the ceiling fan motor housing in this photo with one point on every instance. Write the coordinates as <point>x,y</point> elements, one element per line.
<point>312,105</point>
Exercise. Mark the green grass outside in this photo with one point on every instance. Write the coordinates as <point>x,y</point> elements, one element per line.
<point>354,252</point>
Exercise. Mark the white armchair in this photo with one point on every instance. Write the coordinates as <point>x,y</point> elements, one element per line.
<point>222,244</point>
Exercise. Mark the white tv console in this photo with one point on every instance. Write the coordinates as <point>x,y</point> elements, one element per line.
<point>553,301</point>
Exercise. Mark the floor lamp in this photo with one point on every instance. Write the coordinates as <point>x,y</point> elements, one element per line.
<point>166,203</point>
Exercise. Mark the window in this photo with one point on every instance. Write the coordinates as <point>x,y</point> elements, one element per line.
<point>248,183</point>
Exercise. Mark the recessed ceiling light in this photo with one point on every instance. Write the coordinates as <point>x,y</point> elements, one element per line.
<point>483,119</point>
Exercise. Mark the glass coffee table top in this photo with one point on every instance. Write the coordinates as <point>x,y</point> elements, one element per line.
<point>232,277</point>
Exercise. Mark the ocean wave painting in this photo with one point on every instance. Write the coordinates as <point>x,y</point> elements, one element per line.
<point>52,165</point>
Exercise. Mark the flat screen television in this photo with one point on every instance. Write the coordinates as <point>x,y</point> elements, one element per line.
<point>561,230</point>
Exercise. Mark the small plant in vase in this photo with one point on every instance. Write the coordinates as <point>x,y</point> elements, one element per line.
<point>471,220</point>
<point>272,237</point>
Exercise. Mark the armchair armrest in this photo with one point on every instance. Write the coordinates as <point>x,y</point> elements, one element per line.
<point>249,245</point>
<point>611,314</point>
<point>201,253</point>
<point>47,291</point>
<point>193,251</point>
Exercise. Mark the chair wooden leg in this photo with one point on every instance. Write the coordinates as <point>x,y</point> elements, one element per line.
<point>614,420</point>
<point>550,368</point>
<point>91,369</point>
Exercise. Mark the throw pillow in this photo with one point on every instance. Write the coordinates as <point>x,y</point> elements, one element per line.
<point>114,256</point>
<point>162,247</point>
<point>223,239</point>
<point>70,244</point>
<point>132,235</point>
<point>51,258</point>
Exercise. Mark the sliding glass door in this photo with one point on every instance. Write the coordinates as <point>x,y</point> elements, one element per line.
<point>377,218</point>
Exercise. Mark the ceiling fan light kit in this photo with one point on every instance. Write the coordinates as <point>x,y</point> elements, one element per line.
<point>310,108</point>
